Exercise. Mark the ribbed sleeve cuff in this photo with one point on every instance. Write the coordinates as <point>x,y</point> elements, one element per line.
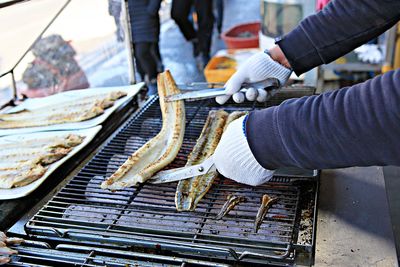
<point>299,51</point>
<point>264,139</point>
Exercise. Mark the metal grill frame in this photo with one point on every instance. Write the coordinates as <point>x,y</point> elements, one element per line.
<point>285,249</point>
<point>35,253</point>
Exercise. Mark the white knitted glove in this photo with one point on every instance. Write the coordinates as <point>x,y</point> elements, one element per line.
<point>257,68</point>
<point>369,53</point>
<point>234,159</point>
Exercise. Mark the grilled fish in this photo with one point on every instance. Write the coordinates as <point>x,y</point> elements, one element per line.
<point>66,141</point>
<point>78,110</point>
<point>51,119</point>
<point>229,205</point>
<point>233,116</point>
<point>26,173</point>
<point>24,162</point>
<point>266,203</point>
<point>190,191</point>
<point>160,150</point>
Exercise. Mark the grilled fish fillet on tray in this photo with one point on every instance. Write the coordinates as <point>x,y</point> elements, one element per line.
<point>160,150</point>
<point>190,191</point>
<point>72,111</point>
<point>21,163</point>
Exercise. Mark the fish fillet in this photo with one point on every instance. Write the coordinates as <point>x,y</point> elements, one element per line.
<point>159,151</point>
<point>39,147</point>
<point>65,141</point>
<point>26,174</point>
<point>75,116</point>
<point>190,191</point>
<point>103,100</point>
<point>21,164</point>
<point>74,111</point>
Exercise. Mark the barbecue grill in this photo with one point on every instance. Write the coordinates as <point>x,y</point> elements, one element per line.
<point>83,225</point>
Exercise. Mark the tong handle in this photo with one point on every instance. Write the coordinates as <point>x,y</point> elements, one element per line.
<point>268,84</point>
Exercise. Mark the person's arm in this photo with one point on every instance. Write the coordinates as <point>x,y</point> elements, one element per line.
<point>153,7</point>
<point>354,126</point>
<point>336,30</point>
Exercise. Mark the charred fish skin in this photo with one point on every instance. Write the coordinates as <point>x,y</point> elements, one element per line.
<point>229,205</point>
<point>233,116</point>
<point>266,203</point>
<point>190,191</point>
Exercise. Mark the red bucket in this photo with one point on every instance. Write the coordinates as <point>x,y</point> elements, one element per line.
<point>242,36</point>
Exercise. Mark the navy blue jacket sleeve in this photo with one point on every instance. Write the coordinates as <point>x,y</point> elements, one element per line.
<point>336,30</point>
<point>354,126</point>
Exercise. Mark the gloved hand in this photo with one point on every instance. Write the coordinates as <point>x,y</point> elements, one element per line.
<point>369,53</point>
<point>257,68</point>
<point>5,252</point>
<point>234,159</point>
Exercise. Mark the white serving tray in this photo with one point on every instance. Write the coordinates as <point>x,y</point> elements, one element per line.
<point>22,191</point>
<point>33,103</point>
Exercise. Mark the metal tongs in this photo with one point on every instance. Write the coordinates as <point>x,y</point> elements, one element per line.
<point>271,85</point>
<point>182,173</point>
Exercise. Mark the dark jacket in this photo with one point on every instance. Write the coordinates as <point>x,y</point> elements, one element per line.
<point>354,126</point>
<point>145,21</point>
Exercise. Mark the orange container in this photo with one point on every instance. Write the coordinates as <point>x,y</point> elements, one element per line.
<point>235,37</point>
<point>219,69</point>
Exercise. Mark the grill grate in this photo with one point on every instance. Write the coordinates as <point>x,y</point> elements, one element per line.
<point>145,215</point>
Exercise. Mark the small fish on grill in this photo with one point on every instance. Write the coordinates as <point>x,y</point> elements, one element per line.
<point>266,204</point>
<point>229,205</point>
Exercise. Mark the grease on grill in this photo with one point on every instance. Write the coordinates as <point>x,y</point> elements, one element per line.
<point>306,219</point>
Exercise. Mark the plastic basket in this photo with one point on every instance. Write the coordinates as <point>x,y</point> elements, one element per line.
<point>233,40</point>
<point>215,74</point>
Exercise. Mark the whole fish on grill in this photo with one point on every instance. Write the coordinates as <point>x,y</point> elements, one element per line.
<point>229,205</point>
<point>71,111</point>
<point>190,191</point>
<point>160,150</point>
<point>266,203</point>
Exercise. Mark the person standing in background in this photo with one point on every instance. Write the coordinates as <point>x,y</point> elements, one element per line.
<point>220,14</point>
<point>114,9</point>
<point>145,31</point>
<point>201,39</point>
